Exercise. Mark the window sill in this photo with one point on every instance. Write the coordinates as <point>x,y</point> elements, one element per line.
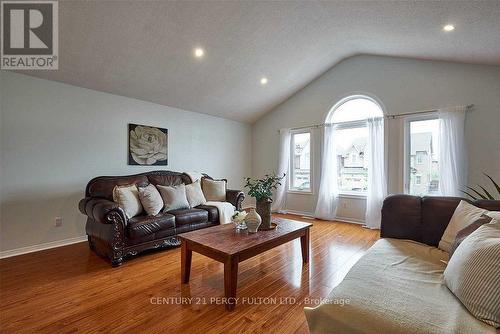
<point>352,195</point>
<point>299,192</point>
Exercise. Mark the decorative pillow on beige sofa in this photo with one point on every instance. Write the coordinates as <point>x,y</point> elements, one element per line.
<point>464,215</point>
<point>468,230</point>
<point>214,190</point>
<point>194,194</point>
<point>127,197</point>
<point>150,199</point>
<point>174,197</point>
<point>473,273</point>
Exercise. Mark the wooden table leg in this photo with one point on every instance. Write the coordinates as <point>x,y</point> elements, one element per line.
<point>186,255</point>
<point>230,282</point>
<point>304,243</point>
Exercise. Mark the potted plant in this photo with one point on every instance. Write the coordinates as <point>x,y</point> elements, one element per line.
<point>483,193</point>
<point>262,190</point>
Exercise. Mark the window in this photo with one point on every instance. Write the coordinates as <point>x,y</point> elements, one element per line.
<point>422,156</point>
<point>349,118</point>
<point>300,176</point>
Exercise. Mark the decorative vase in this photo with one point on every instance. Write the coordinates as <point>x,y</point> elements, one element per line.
<point>253,220</point>
<point>264,210</point>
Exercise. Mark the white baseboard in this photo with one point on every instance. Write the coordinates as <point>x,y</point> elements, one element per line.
<point>36,248</point>
<point>350,220</point>
<point>340,219</point>
<point>299,213</point>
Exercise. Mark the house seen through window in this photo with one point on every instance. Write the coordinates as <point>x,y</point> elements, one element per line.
<point>423,157</point>
<point>300,178</point>
<point>349,118</point>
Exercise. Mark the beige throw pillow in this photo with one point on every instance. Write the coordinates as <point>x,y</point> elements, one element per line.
<point>127,197</point>
<point>174,197</point>
<point>473,273</point>
<point>150,199</point>
<point>464,215</point>
<point>214,190</point>
<point>195,194</point>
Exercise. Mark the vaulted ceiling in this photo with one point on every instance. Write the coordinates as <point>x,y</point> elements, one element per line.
<point>144,49</point>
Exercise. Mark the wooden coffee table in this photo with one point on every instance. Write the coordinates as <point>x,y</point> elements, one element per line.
<point>225,244</point>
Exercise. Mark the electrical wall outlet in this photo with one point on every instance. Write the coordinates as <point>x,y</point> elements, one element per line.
<point>58,221</point>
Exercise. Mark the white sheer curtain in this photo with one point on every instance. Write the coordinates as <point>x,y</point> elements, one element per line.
<point>283,168</point>
<point>377,181</point>
<point>452,154</point>
<point>326,206</point>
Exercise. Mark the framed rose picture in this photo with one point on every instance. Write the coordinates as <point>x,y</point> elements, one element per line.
<point>147,145</point>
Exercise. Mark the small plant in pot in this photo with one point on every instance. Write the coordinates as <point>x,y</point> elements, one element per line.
<point>262,190</point>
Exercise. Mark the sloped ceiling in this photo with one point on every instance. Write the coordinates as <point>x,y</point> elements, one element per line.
<point>144,49</point>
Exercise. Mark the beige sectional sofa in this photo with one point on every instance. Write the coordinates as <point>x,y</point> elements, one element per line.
<point>397,286</point>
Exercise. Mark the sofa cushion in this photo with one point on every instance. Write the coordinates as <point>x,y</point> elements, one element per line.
<point>127,197</point>
<point>174,197</point>
<point>150,199</point>
<point>396,287</point>
<point>465,232</point>
<point>141,226</point>
<point>189,216</point>
<point>213,212</point>
<point>473,273</point>
<point>167,178</point>
<point>397,206</point>
<point>194,194</point>
<point>214,190</point>
<point>103,186</point>
<point>464,215</point>
<point>436,214</point>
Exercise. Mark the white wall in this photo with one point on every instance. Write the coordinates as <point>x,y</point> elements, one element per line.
<point>402,85</point>
<point>56,137</point>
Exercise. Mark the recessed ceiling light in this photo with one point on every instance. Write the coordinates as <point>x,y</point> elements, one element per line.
<point>449,27</point>
<point>263,81</point>
<point>199,52</point>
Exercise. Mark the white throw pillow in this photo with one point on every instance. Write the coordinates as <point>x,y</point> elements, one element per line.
<point>151,199</point>
<point>127,197</point>
<point>473,273</point>
<point>195,194</point>
<point>214,190</point>
<point>174,198</point>
<point>464,215</point>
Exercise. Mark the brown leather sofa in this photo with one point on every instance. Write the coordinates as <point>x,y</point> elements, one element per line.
<point>422,219</point>
<point>112,235</point>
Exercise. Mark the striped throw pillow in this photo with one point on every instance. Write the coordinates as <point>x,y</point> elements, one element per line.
<point>473,273</point>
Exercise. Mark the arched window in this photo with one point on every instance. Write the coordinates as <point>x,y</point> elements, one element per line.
<point>354,108</point>
<point>349,117</point>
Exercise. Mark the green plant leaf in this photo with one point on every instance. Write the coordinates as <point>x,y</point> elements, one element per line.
<point>468,194</point>
<point>477,192</point>
<point>487,193</point>
<point>494,183</point>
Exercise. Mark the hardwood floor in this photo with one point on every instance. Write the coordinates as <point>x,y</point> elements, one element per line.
<point>70,289</point>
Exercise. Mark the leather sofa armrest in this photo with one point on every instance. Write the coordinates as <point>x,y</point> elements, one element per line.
<point>99,209</point>
<point>235,197</point>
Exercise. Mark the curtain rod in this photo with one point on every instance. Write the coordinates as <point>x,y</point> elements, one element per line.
<point>467,108</point>
<point>315,126</point>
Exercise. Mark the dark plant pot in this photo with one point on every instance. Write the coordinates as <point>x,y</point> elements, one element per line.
<point>264,210</point>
